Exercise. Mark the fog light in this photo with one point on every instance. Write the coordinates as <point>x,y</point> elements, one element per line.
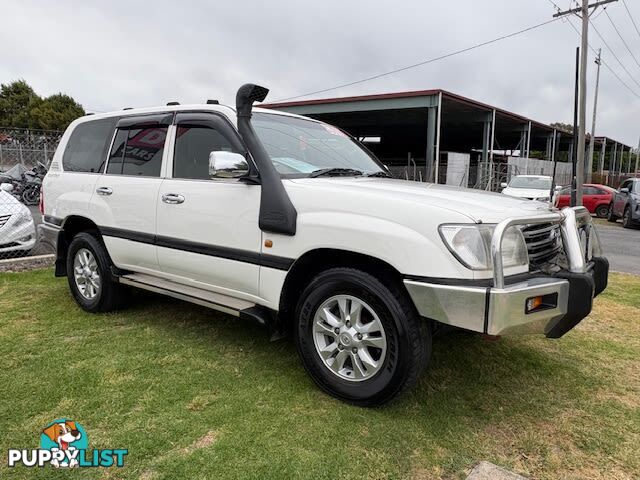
<point>541,302</point>
<point>533,303</point>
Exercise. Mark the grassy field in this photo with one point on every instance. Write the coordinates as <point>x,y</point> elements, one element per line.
<point>193,394</point>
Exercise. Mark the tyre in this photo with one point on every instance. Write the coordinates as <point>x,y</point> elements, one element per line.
<point>31,196</point>
<point>610,216</point>
<point>602,211</point>
<point>627,222</point>
<point>89,275</point>
<point>360,340</point>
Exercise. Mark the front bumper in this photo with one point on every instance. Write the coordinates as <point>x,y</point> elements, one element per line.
<point>17,238</point>
<point>499,307</point>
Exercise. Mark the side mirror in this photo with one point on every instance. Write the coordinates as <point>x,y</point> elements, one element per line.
<point>227,165</point>
<point>503,185</point>
<point>624,190</point>
<point>6,187</point>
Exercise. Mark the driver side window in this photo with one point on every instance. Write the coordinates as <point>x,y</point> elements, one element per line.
<point>203,152</point>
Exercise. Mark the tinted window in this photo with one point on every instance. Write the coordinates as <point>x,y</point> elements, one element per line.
<point>565,191</point>
<point>591,191</point>
<point>626,184</point>
<point>193,146</point>
<point>138,152</point>
<point>87,147</point>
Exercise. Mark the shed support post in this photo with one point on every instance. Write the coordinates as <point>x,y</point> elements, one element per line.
<point>438,128</point>
<point>432,119</point>
<point>602,154</point>
<point>491,145</point>
<point>529,140</point>
<point>614,161</point>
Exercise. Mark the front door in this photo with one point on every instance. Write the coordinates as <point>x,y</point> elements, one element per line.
<point>208,234</point>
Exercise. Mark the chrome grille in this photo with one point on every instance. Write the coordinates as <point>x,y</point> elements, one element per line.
<point>543,242</point>
<point>4,219</point>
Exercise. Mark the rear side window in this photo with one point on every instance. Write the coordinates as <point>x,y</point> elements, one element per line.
<point>86,149</point>
<point>137,151</point>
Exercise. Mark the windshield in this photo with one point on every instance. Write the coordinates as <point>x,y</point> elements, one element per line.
<point>537,183</point>
<point>299,147</point>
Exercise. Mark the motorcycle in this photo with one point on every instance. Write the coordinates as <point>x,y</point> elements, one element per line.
<point>32,179</point>
<point>26,183</point>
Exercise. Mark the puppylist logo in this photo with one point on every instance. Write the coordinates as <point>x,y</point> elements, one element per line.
<point>64,443</point>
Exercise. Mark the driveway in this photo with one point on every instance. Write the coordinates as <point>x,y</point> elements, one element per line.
<point>621,246</point>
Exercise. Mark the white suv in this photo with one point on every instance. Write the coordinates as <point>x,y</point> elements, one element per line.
<point>291,222</point>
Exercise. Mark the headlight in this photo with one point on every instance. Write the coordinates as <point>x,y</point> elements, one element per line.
<point>22,218</point>
<point>471,245</point>
<point>543,199</point>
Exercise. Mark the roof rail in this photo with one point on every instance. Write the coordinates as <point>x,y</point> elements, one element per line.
<point>213,102</point>
<point>173,103</point>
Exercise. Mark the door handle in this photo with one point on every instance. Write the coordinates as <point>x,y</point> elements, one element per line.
<point>104,190</point>
<point>172,198</point>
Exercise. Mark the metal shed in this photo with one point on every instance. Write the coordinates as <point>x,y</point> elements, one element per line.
<point>440,136</point>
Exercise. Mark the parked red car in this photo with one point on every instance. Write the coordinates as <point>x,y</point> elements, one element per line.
<point>595,197</point>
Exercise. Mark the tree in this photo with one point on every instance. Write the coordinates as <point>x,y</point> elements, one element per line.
<point>564,127</point>
<point>16,101</point>
<point>22,107</point>
<point>56,112</point>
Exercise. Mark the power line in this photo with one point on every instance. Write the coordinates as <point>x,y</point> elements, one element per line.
<point>631,17</point>
<point>613,72</point>
<point>425,62</point>
<point>622,38</point>
<point>614,55</point>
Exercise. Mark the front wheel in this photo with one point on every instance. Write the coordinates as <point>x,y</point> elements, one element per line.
<point>602,211</point>
<point>360,340</point>
<point>31,196</point>
<point>627,221</point>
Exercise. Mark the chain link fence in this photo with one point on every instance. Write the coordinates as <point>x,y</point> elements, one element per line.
<point>23,154</point>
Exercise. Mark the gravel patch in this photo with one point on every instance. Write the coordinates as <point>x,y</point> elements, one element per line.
<point>27,263</point>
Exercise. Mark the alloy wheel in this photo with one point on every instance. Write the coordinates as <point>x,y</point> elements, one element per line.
<point>86,274</point>
<point>349,338</point>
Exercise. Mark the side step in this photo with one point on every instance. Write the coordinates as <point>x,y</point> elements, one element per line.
<point>216,301</point>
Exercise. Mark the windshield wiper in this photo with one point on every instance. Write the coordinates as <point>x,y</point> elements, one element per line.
<point>381,173</point>
<point>335,172</point>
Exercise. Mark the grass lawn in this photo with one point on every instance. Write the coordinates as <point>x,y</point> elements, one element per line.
<point>195,394</point>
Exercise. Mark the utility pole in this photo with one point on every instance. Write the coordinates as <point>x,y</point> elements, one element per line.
<point>583,13</point>
<point>592,143</point>
<point>637,159</point>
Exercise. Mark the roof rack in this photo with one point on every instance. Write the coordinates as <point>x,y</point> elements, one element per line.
<point>213,102</point>
<point>172,103</point>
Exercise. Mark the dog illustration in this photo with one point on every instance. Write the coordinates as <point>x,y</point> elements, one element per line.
<point>63,433</point>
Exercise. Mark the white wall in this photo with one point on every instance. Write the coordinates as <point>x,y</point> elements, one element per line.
<point>458,168</point>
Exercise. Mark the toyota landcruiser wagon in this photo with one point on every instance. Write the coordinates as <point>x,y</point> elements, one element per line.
<point>291,222</point>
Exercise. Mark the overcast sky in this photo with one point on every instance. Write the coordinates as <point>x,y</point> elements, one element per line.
<point>110,55</point>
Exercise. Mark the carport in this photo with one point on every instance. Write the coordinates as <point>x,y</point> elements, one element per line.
<point>440,136</point>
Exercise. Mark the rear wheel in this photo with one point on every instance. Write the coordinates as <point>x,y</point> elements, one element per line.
<point>360,340</point>
<point>602,211</point>
<point>610,216</point>
<point>89,275</point>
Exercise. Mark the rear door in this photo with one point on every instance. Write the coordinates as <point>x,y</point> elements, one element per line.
<point>208,234</point>
<point>125,196</point>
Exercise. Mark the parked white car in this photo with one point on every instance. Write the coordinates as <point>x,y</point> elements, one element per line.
<point>532,187</point>
<point>17,229</point>
<point>290,221</point>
